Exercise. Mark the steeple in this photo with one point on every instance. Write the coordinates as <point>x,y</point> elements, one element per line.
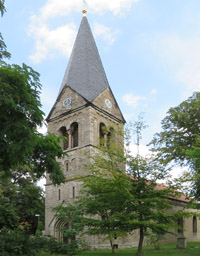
<point>85,73</point>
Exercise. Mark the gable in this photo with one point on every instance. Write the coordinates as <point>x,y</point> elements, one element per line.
<point>106,102</point>
<point>67,101</point>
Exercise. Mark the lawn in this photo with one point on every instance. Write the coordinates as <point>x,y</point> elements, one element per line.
<point>193,249</point>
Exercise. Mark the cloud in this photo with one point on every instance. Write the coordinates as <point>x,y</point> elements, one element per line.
<point>181,57</point>
<point>54,8</point>
<point>132,100</point>
<point>105,32</point>
<point>50,41</point>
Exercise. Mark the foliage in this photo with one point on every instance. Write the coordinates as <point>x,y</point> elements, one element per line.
<point>178,142</point>
<point>50,245</point>
<point>20,143</point>
<point>106,190</point>
<point>2,7</point>
<point>17,242</point>
<point>180,130</point>
<point>150,202</point>
<point>70,217</point>
<point>124,202</point>
<point>20,200</point>
<point>3,50</point>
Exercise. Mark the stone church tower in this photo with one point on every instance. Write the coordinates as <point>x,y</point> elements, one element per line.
<point>85,104</point>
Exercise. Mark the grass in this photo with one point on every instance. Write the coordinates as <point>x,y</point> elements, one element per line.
<point>193,249</point>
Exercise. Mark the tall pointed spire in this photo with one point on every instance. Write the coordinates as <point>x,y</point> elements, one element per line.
<point>85,73</point>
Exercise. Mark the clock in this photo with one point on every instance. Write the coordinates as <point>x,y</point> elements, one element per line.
<point>67,102</point>
<point>108,103</point>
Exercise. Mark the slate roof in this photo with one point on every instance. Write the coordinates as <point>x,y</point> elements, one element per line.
<point>85,73</point>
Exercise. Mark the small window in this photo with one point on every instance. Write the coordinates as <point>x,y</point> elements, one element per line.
<point>73,192</point>
<point>194,222</point>
<point>59,194</point>
<point>67,166</point>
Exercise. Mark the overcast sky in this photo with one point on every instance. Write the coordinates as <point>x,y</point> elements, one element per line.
<point>150,49</point>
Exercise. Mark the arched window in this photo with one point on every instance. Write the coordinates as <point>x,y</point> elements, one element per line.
<point>180,224</point>
<point>102,134</point>
<point>64,133</point>
<point>194,224</point>
<point>74,129</point>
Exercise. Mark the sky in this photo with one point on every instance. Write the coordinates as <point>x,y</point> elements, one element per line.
<point>150,49</point>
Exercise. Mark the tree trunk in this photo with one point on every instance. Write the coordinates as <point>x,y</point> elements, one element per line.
<point>139,251</point>
<point>113,249</point>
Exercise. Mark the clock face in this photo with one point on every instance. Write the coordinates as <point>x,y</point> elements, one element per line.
<point>108,103</point>
<point>67,102</point>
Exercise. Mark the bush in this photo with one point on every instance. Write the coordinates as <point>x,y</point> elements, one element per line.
<point>16,242</point>
<point>52,246</point>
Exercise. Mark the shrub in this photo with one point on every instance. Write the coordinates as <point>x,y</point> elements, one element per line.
<point>16,242</point>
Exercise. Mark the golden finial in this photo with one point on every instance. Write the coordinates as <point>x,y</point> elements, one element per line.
<point>84,11</point>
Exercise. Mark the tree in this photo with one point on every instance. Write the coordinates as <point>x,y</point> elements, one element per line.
<point>25,155</point>
<point>178,142</point>
<point>115,203</point>
<point>106,191</point>
<point>150,205</point>
<point>20,200</point>
<point>20,143</point>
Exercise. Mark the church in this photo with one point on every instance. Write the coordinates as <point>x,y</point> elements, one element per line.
<point>84,106</point>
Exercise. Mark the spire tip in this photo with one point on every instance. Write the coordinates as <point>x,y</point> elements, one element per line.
<point>84,11</point>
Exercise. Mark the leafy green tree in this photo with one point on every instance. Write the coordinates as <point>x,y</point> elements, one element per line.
<point>178,142</point>
<point>20,143</point>
<point>20,200</point>
<point>115,203</point>
<point>150,205</point>
<point>106,191</point>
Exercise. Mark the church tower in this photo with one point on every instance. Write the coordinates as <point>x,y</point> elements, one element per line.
<point>85,104</point>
